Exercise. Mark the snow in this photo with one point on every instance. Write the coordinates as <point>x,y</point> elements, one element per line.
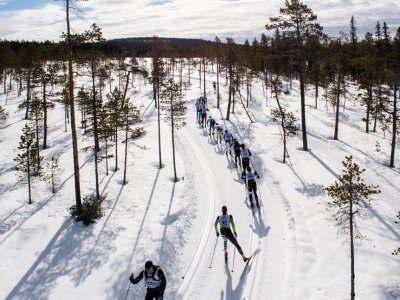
<point>46,255</point>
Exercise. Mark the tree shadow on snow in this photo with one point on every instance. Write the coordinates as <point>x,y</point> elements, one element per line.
<point>65,255</point>
<point>120,277</point>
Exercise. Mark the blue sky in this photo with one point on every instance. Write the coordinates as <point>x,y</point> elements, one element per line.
<point>239,19</point>
<point>21,4</point>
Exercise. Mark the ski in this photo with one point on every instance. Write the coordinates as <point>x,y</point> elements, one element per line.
<point>248,261</point>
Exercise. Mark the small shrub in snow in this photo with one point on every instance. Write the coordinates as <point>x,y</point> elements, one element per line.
<point>91,210</point>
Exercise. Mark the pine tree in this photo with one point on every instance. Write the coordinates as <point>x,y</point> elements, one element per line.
<point>299,23</point>
<point>53,173</point>
<point>28,159</point>
<point>230,63</point>
<point>287,119</point>
<point>157,78</point>
<point>350,197</point>
<point>131,118</point>
<point>115,106</point>
<point>175,112</point>
<point>71,85</point>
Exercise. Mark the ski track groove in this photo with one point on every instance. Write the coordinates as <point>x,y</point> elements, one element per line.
<point>200,252</point>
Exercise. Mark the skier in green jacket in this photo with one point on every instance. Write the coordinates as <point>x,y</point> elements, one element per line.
<point>225,222</point>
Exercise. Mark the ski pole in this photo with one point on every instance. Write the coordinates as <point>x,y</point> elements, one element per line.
<point>126,296</point>
<point>233,262</point>
<point>212,257</point>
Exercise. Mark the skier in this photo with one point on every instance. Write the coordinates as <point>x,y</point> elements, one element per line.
<point>204,116</point>
<point>228,139</point>
<point>214,86</point>
<point>198,110</point>
<point>245,155</point>
<point>225,221</point>
<point>252,185</point>
<point>155,281</point>
<point>218,133</point>
<point>203,100</point>
<point>236,150</point>
<point>211,125</point>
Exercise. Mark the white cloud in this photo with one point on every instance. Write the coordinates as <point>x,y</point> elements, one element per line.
<point>184,18</point>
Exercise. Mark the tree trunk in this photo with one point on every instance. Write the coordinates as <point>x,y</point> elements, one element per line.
<point>28,93</point>
<point>5,81</point>
<point>369,102</point>
<point>218,99</point>
<point>126,148</point>
<point>204,76</point>
<point>52,179</point>
<point>352,293</point>
<point>394,125</point>
<point>106,156</point>
<point>230,93</point>
<point>29,176</point>
<point>20,86</point>
<point>189,68</point>
<point>44,117</point>
<point>116,141</point>
<point>95,130</point>
<point>73,125</point>
<point>159,125</point>
<point>303,110</point>
<point>37,140</point>
<point>335,136</point>
<point>173,139</point>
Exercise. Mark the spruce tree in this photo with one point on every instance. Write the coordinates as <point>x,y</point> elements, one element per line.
<point>351,196</point>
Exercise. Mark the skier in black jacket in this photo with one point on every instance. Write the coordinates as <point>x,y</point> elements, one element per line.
<point>155,281</point>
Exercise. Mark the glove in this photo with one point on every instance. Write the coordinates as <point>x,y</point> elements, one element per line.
<point>131,278</point>
<point>217,234</point>
<point>235,234</point>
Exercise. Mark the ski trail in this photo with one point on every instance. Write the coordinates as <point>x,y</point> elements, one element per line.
<point>198,257</point>
<point>275,265</point>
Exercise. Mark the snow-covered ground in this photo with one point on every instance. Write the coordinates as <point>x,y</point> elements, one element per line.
<point>299,254</point>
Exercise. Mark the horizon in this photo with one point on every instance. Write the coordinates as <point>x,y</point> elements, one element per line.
<point>177,19</point>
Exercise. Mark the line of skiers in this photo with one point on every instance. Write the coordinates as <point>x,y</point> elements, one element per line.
<point>239,153</point>
<point>241,156</point>
<point>155,280</point>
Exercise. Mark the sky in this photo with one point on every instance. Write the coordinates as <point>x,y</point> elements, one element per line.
<point>240,19</point>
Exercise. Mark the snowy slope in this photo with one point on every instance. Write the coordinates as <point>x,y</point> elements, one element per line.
<point>45,255</point>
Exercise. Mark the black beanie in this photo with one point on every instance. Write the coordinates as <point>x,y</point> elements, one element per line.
<point>148,264</point>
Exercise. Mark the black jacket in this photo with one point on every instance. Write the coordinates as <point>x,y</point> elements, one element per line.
<point>160,274</point>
